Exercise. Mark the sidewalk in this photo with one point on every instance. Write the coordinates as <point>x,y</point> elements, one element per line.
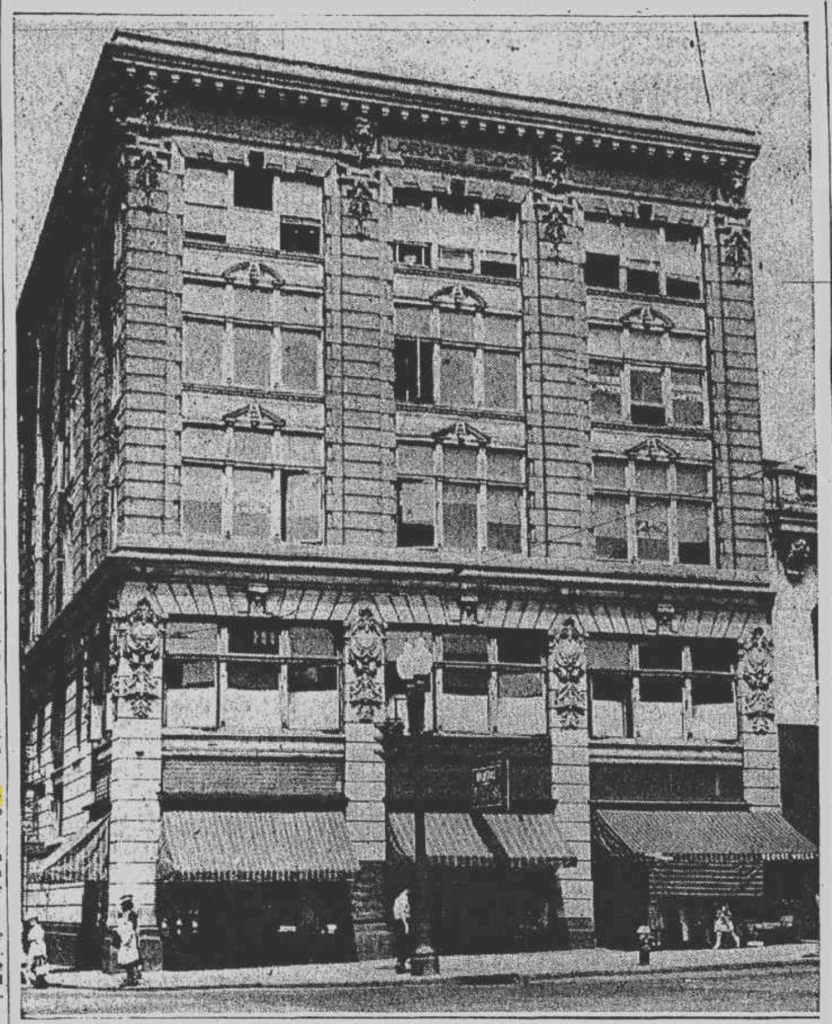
<point>491,969</point>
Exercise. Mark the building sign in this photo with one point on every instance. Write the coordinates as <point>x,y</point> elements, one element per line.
<point>489,787</point>
<point>443,153</point>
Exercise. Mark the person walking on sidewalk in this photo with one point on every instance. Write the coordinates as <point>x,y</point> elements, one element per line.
<point>401,929</point>
<point>36,958</point>
<point>127,931</point>
<point>724,925</point>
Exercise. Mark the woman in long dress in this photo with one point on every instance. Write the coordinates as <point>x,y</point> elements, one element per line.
<point>128,956</point>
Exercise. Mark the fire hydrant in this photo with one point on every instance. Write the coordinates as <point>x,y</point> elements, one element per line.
<point>645,940</point>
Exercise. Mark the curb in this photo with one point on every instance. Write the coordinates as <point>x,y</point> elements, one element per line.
<point>506,978</point>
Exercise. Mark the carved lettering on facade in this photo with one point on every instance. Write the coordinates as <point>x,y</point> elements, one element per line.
<point>365,659</point>
<point>567,664</point>
<point>135,650</point>
<point>754,674</point>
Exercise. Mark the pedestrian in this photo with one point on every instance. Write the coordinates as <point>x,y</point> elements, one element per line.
<point>724,925</point>
<point>401,929</point>
<point>127,932</point>
<point>644,936</point>
<point>36,958</point>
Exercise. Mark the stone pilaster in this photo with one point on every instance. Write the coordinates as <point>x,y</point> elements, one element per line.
<point>761,752</point>
<point>136,774</point>
<point>570,773</point>
<point>364,775</point>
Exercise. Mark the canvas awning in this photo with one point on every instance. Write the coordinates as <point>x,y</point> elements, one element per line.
<point>255,846</point>
<point>450,839</point>
<point>81,857</point>
<point>530,839</point>
<point>665,836</point>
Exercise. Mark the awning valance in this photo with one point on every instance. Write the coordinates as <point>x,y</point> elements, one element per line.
<point>530,839</point>
<point>665,836</point>
<point>735,878</point>
<point>450,839</point>
<point>255,846</point>
<point>81,857</point>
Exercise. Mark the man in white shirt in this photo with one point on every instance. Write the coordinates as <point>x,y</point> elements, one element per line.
<point>401,928</point>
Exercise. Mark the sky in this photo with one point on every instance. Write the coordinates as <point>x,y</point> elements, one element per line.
<point>750,71</point>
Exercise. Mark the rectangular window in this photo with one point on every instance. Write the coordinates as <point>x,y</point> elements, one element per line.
<point>500,387</point>
<point>253,186</point>
<point>301,514</point>
<point>252,304</point>
<point>416,514</point>
<point>202,345</point>
<point>460,463</point>
<point>457,379</point>
<point>501,330</point>
<point>203,443</point>
<point>455,259</point>
<point>609,515</point>
<point>601,270</point>
<point>652,529</point>
<point>252,697</point>
<point>190,689</point>
<point>301,352</point>
<point>202,490</point>
<point>459,516</point>
<point>609,473</point>
<point>252,356</point>
<point>498,264</point>
<point>465,682</point>
<point>504,528</point>
<point>605,381</point>
<point>301,236</point>
<point>252,446</point>
<point>313,680</point>
<point>298,308</point>
<point>456,326</point>
<point>693,526</point>
<point>207,299</point>
<point>412,198</point>
<point>520,684</point>
<point>646,401</point>
<point>414,371</point>
<point>688,404</point>
<point>682,288</point>
<point>646,282</point>
<point>411,254</point>
<point>252,510</point>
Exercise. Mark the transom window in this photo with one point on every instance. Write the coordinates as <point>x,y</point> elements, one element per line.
<point>251,677</point>
<point>457,358</point>
<point>460,497</point>
<point>253,207</point>
<point>643,258</point>
<point>482,683</point>
<point>261,484</point>
<point>251,337</point>
<point>652,511</point>
<point>648,379</point>
<point>454,233</point>
<point>662,690</point>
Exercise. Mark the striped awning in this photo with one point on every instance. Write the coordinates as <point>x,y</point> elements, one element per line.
<point>81,857</point>
<point>734,878</point>
<point>530,839</point>
<point>657,836</point>
<point>450,839</point>
<point>255,846</point>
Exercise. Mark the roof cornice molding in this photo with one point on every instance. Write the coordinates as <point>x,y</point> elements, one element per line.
<point>399,103</point>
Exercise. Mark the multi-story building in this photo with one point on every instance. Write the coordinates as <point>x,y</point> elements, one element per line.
<point>323,374</point>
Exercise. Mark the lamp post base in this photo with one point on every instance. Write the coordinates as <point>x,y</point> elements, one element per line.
<point>424,961</point>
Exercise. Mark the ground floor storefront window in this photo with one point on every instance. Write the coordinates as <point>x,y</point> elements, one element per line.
<point>247,924</point>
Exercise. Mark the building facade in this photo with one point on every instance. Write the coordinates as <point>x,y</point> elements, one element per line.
<point>322,374</point>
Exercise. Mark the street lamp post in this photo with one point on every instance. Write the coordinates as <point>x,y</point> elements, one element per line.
<point>414,666</point>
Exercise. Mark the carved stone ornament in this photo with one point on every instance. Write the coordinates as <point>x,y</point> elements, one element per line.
<point>148,168</point>
<point>258,596</point>
<point>646,318</point>
<point>732,186</point>
<point>735,240</point>
<point>360,191</point>
<point>798,557</point>
<point>754,674</point>
<point>459,296</point>
<point>135,649</point>
<point>552,201</point>
<point>567,662</point>
<point>665,616</point>
<point>361,141</point>
<point>463,433</point>
<point>253,274</point>
<point>365,657</point>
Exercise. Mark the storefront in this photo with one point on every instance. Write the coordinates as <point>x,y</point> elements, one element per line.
<point>672,869</point>
<point>245,888</point>
<point>494,878</point>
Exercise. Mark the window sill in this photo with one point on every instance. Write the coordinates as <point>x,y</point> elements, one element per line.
<point>199,243</point>
<point>653,562</point>
<point>644,428</point>
<point>593,289</point>
<point>455,410</point>
<point>252,392</point>
<point>468,275</point>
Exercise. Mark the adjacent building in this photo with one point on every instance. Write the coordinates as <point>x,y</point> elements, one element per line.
<point>326,374</point>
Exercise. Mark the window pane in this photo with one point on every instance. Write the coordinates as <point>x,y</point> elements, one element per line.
<point>521,710</point>
<point>500,380</point>
<point>303,451</point>
<point>465,647</point>
<point>692,479</point>
<point>300,360</point>
<point>693,524</point>
<point>252,503</point>
<point>415,458</point>
<point>651,477</point>
<point>520,647</point>
<point>601,271</point>
<point>688,405</point>
<point>252,699</point>
<point>605,378</point>
<point>501,330</point>
<point>457,377</point>
<point>252,356</point>
<point>504,519</point>
<point>460,517</point>
<point>191,638</point>
<point>713,655</point>
<point>301,198</point>
<point>190,694</point>
<point>203,443</point>
<point>300,309</point>
<point>455,259</point>
<point>252,446</point>
<point>202,350</point>
<point>252,304</point>
<point>300,235</point>
<point>253,188</point>
<point>660,654</point>
<point>602,236</point>
<point>202,488</point>
<point>609,516</point>
<point>498,264</point>
<point>506,467</point>
<point>302,495</point>
<point>646,386</point>
<point>651,529</point>
<point>465,681</point>
<point>205,185</point>
<point>456,326</point>
<point>604,341</point>
<point>413,321</point>
<point>207,299</point>
<point>413,370</point>
<point>683,350</point>
<point>609,473</point>
<point>606,653</point>
<point>611,706</point>
<point>416,511</point>
<point>714,711</point>
<point>646,282</point>
<point>660,710</point>
<point>460,462</point>
<point>258,637</point>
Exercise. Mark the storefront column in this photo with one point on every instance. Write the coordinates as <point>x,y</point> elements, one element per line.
<point>761,752</point>
<point>364,778</point>
<point>136,774</point>
<point>570,774</point>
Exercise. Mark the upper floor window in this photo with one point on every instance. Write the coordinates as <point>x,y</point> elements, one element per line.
<point>248,677</point>
<point>655,380</point>
<point>457,358</point>
<point>662,690</point>
<point>652,511</point>
<point>643,258</point>
<point>483,683</point>
<point>455,233</point>
<point>460,498</point>
<point>254,483</point>
<point>253,207</point>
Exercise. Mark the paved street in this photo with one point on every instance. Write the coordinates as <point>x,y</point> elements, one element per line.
<point>773,990</point>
